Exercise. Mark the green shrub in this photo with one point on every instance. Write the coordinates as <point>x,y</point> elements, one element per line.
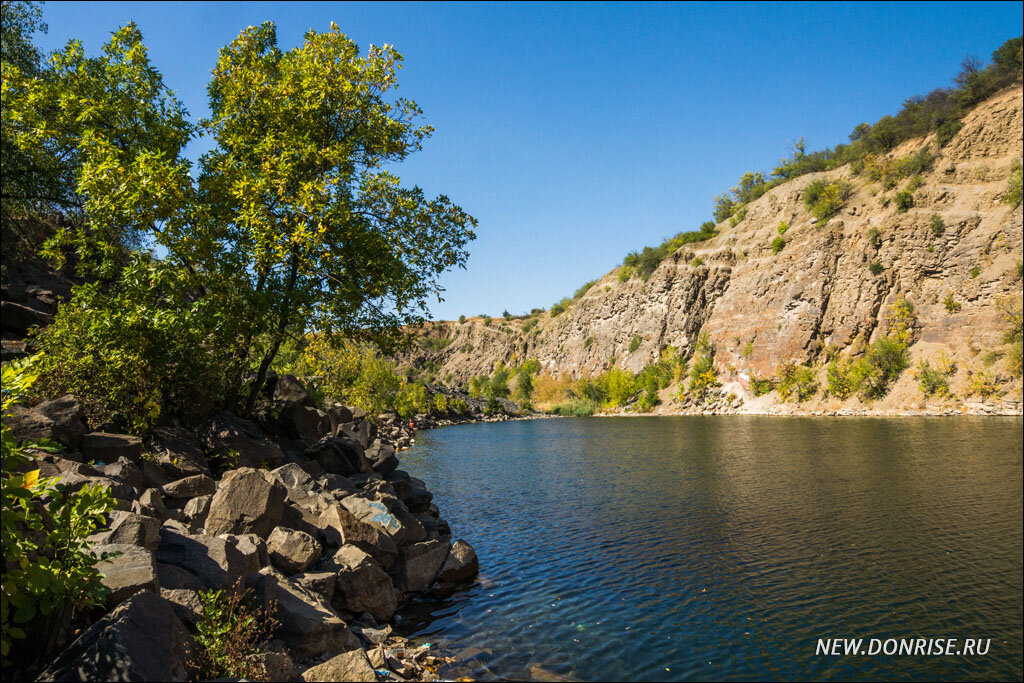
<point>738,216</point>
<point>938,226</point>
<point>462,319</point>
<point>233,628</point>
<point>748,349</point>
<point>875,267</point>
<point>584,289</point>
<point>824,200</point>
<point>871,375</point>
<point>49,571</point>
<point>874,236</point>
<point>577,407</point>
<point>697,262</point>
<point>782,227</point>
<point>635,342</point>
<point>975,271</point>
<point>796,382</point>
<point>529,324</point>
<point>904,200</point>
<point>625,272</point>
<point>1013,186</point>
<point>839,379</point>
<point>559,307</point>
<point>951,304</point>
<point>587,342</point>
<point>760,386</point>
<point>777,244</point>
<point>931,381</point>
<point>486,318</point>
<point>703,375</point>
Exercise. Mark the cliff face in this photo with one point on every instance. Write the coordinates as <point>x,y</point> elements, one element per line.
<point>763,309</point>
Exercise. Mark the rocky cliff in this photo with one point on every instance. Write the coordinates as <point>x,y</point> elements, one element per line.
<point>828,290</point>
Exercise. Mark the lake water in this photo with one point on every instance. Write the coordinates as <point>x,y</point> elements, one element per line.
<point>722,548</point>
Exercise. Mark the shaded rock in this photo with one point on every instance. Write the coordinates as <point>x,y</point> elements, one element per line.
<point>292,551</point>
<point>118,489</point>
<point>289,388</point>
<point>140,640</point>
<point>153,476</point>
<point>190,487</point>
<point>319,582</point>
<point>362,585</point>
<point>195,511</point>
<point>131,529</point>
<point>185,603</point>
<point>180,452</point>
<point>253,549</point>
<point>344,528</point>
<point>461,564</point>
<point>304,423</point>
<point>60,420</point>
<point>214,561</point>
<point>353,665</point>
<point>362,431</point>
<point>131,571</point>
<point>104,447</point>
<point>151,503</point>
<point>176,578</point>
<point>382,458</point>
<point>340,455</point>
<point>20,319</point>
<point>299,484</point>
<point>225,435</point>
<point>339,415</point>
<point>124,470</point>
<point>246,502</point>
<point>308,625</point>
<point>421,562</point>
<point>278,663</point>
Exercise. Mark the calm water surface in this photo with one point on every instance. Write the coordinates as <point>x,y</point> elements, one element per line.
<point>722,548</point>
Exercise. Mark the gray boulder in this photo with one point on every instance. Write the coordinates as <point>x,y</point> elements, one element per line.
<point>131,571</point>
<point>253,549</point>
<point>353,665</point>
<point>151,503</point>
<point>362,585</point>
<point>344,528</point>
<point>195,511</point>
<point>140,640</point>
<point>382,458</point>
<point>215,562</point>
<point>60,420</point>
<point>124,470</point>
<point>246,503</point>
<point>308,625</point>
<point>180,452</point>
<point>340,455</point>
<point>131,529</point>
<point>292,551</point>
<point>106,448</point>
<point>421,562</point>
<point>289,388</point>
<point>461,565</point>
<point>190,487</point>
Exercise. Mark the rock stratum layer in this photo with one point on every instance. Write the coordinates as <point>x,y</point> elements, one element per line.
<point>763,309</point>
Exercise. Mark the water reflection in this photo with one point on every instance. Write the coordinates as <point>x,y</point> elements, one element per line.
<point>710,548</point>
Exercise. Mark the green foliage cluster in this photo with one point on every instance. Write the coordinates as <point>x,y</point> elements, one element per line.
<point>1013,185</point>
<point>232,628</point>
<point>49,572</point>
<point>904,200</point>
<point>796,382</point>
<point>644,262</point>
<point>871,375</point>
<point>761,386</point>
<point>635,342</point>
<point>703,376</point>
<point>931,380</point>
<point>529,324</point>
<point>875,267</point>
<point>824,200</point>
<point>777,244</point>
<point>559,307</point>
<point>937,225</point>
<point>1012,311</point>
<point>575,407</point>
<point>583,290</point>
<point>889,171</point>
<point>288,224</point>
<point>951,304</point>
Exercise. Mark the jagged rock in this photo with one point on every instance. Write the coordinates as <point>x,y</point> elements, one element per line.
<point>304,423</point>
<point>172,577</point>
<point>214,561</point>
<point>130,528</point>
<point>102,447</point>
<point>461,565</point>
<point>363,431</point>
<point>60,420</point>
<point>421,562</point>
<point>253,549</point>
<point>340,455</point>
<point>118,489</point>
<point>299,484</point>
<point>196,510</point>
<point>362,585</point>
<point>131,571</point>
<point>20,319</point>
<point>308,625</point>
<point>225,435</point>
<point>382,458</point>
<point>140,640</point>
<point>180,452</point>
<point>190,487</point>
<point>153,476</point>
<point>288,388</point>
<point>339,415</point>
<point>124,470</point>
<point>292,551</point>
<point>353,665</point>
<point>277,663</point>
<point>246,502</point>
<point>319,582</point>
<point>341,527</point>
<point>151,503</point>
<point>185,603</point>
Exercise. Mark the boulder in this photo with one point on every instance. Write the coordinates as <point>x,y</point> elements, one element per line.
<point>215,562</point>
<point>238,442</point>
<point>246,503</point>
<point>288,388</point>
<point>353,665</point>
<point>362,585</point>
<point>186,604</point>
<point>362,431</point>
<point>319,582</point>
<point>292,551</point>
<point>131,571</point>
<point>118,489</point>
<point>253,549</point>
<point>60,420</point>
<point>421,562</point>
<point>299,484</point>
<point>180,452</point>
<point>20,319</point>
<point>176,578</point>
<point>140,640</point>
<point>343,528</point>
<point>308,625</point>
<point>151,503</point>
<point>131,529</point>
<point>277,662</point>
<point>190,487</point>
<point>102,447</point>
<point>374,513</point>
<point>195,511</point>
<point>304,423</point>
<point>124,470</point>
<point>340,455</point>
<point>461,564</point>
<point>153,476</point>
<point>339,415</point>
<point>382,458</point>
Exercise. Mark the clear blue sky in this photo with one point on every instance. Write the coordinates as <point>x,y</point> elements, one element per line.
<point>578,132</point>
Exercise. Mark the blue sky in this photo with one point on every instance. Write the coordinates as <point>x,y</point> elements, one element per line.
<point>578,132</point>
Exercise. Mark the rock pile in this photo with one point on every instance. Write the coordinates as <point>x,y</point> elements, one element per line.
<point>303,505</point>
